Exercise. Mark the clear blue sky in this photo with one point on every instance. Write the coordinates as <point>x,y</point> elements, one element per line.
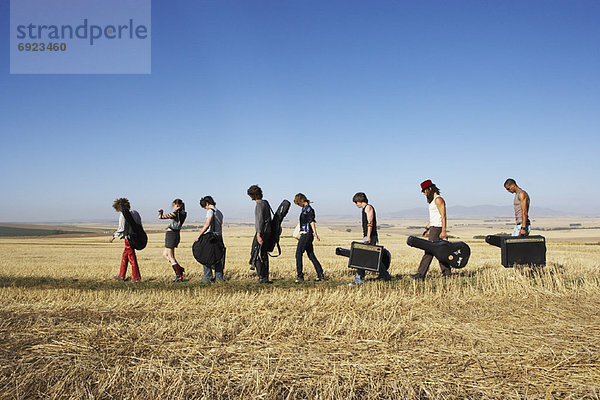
<point>323,97</point>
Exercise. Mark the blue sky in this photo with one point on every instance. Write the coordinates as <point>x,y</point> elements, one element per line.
<point>322,97</point>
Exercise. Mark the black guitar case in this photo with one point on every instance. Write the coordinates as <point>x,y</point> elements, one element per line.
<point>455,254</point>
<point>137,236</point>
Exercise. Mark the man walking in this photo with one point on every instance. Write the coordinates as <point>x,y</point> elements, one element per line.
<point>259,257</point>
<point>521,204</point>
<point>436,228</point>
<point>369,226</point>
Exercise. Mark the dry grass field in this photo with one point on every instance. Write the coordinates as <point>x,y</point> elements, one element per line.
<point>68,330</point>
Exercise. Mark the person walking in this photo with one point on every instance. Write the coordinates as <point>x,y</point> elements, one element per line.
<point>436,228</point>
<point>173,236</point>
<point>213,223</point>
<point>129,255</point>
<point>370,236</point>
<point>308,232</point>
<point>521,205</point>
<point>259,257</point>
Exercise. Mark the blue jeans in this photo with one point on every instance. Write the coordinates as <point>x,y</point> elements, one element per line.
<point>359,278</point>
<point>305,244</point>
<point>208,272</point>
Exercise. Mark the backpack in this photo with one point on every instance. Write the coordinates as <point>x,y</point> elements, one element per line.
<point>273,231</point>
<point>209,249</point>
<point>137,236</point>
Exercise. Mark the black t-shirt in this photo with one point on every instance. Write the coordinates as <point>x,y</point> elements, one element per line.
<point>365,222</point>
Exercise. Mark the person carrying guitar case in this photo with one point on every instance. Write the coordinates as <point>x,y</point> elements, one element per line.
<point>436,228</point>
<point>259,255</point>
<point>131,229</point>
<point>209,249</point>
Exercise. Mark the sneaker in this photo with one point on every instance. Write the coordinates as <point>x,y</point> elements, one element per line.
<point>264,280</point>
<point>299,280</point>
<point>178,279</point>
<point>320,278</point>
<point>137,281</point>
<point>417,277</point>
<point>354,284</point>
<point>118,278</point>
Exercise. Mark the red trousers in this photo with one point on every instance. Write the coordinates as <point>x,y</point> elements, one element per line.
<point>129,255</point>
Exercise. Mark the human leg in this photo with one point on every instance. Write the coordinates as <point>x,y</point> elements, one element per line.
<point>135,269</point>
<point>300,249</point>
<point>262,266</point>
<point>208,274</point>
<point>169,254</point>
<point>124,262</point>
<point>310,251</point>
<point>219,271</point>
<point>434,234</point>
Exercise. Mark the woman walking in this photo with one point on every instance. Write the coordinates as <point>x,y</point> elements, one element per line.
<point>308,231</point>
<point>173,237</point>
<point>213,223</point>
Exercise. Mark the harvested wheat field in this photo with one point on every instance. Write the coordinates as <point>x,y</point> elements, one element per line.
<point>68,330</point>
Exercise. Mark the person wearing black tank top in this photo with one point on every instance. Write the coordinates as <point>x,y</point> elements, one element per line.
<point>369,226</point>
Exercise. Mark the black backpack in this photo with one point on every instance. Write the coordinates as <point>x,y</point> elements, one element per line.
<point>209,249</point>
<point>273,230</point>
<point>137,236</point>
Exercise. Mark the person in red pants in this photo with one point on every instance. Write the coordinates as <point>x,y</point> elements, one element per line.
<point>129,252</point>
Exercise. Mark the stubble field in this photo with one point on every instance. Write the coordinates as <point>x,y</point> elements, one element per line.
<point>68,330</point>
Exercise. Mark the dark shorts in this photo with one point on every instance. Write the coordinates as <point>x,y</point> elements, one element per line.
<point>172,239</point>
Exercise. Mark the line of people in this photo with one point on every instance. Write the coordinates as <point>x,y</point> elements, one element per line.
<point>436,229</point>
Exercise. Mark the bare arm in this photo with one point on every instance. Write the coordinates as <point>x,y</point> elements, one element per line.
<point>426,229</point>
<point>523,201</point>
<point>369,212</point>
<point>314,229</point>
<point>204,228</point>
<point>441,206</point>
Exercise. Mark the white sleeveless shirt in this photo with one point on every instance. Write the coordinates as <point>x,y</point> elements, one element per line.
<point>435,218</point>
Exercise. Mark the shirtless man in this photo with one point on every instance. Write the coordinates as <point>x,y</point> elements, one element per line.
<point>521,203</point>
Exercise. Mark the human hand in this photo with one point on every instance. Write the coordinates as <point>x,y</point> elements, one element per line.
<point>317,237</point>
<point>368,240</point>
<point>443,235</point>
<point>112,238</point>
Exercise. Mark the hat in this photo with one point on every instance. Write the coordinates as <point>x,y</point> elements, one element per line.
<point>426,184</point>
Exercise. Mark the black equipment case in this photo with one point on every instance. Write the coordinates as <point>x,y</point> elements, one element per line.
<point>365,256</point>
<point>520,250</point>
<point>454,254</point>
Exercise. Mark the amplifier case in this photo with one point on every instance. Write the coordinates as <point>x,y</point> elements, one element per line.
<point>365,256</point>
<point>521,250</point>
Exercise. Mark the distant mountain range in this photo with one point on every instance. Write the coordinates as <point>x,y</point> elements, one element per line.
<point>486,211</point>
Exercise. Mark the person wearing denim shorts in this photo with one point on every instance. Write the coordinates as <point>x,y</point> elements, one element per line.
<point>521,205</point>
